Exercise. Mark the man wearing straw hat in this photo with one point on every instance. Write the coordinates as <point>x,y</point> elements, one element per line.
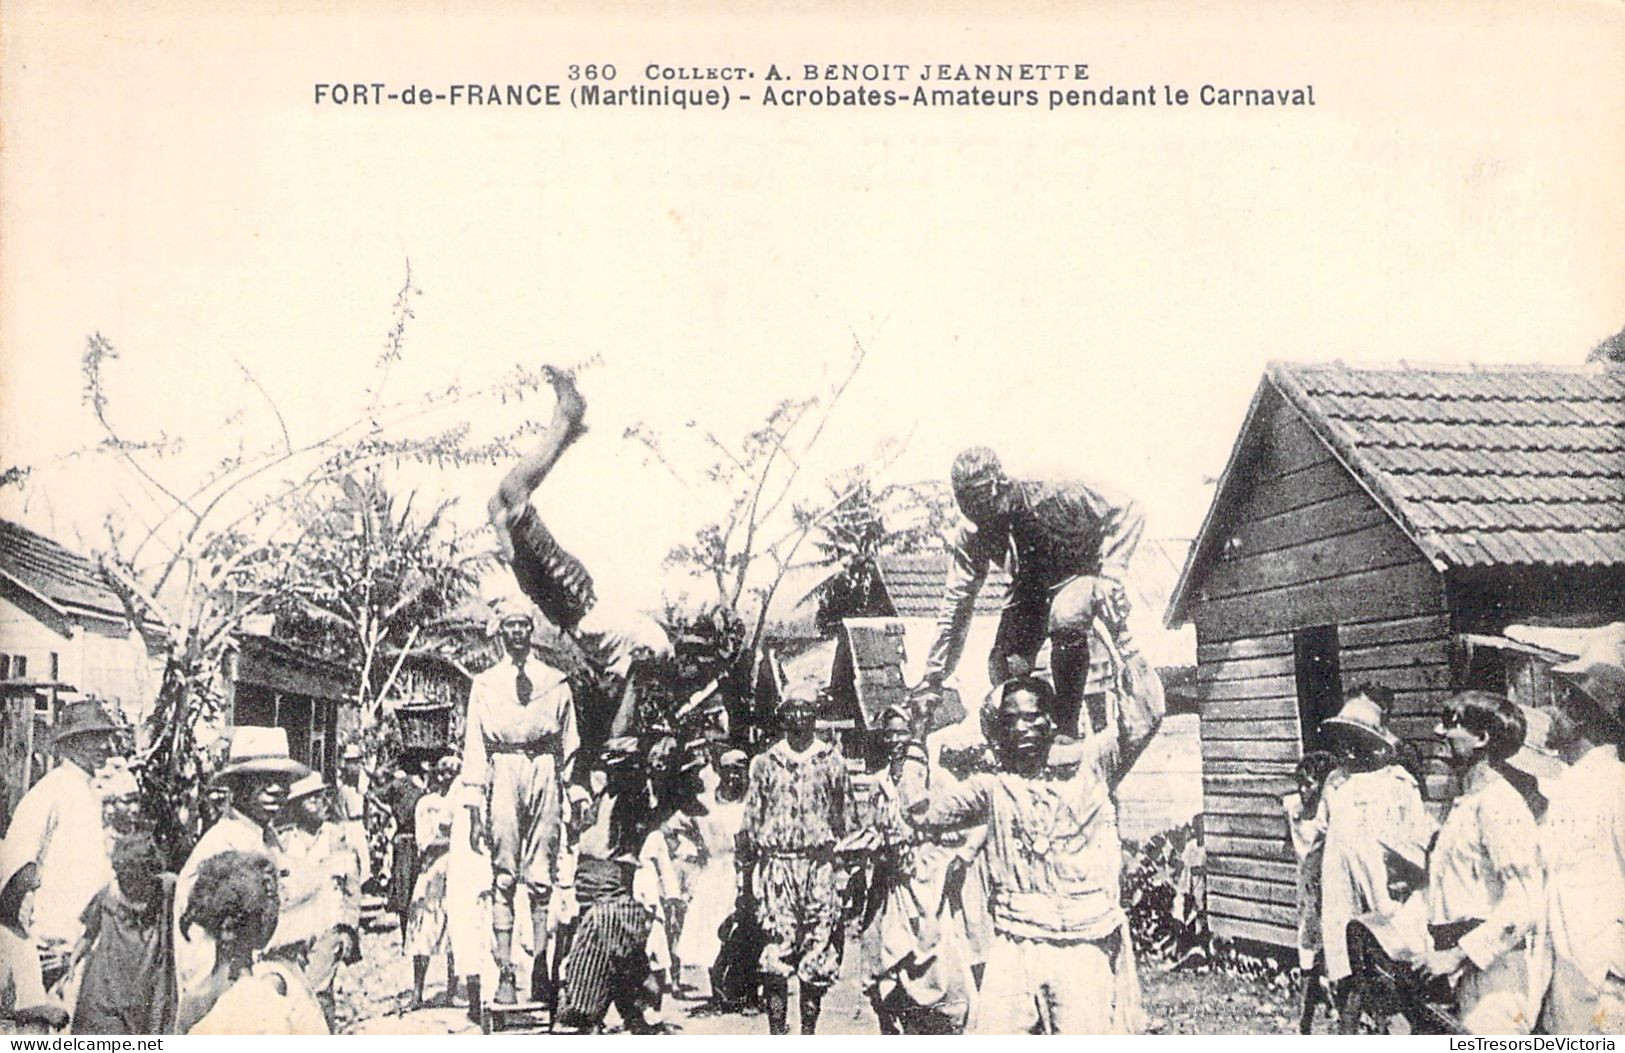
<point>1375,822</point>
<point>58,824</point>
<point>1583,845</point>
<point>259,771</point>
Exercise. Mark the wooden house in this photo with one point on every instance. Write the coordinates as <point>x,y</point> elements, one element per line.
<point>274,683</point>
<point>64,635</point>
<point>1381,524</point>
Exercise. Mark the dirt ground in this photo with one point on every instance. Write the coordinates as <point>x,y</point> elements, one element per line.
<point>373,996</point>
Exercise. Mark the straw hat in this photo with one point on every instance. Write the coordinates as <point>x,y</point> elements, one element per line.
<point>733,759</point>
<point>82,718</point>
<point>307,786</point>
<point>1359,724</point>
<point>264,751</point>
<point>1599,671</point>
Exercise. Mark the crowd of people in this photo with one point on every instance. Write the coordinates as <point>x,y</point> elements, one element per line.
<point>1506,916</point>
<point>614,836</point>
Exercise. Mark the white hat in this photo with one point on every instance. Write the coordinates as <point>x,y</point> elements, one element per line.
<point>1359,722</point>
<point>510,605</point>
<point>1599,671</point>
<point>306,786</point>
<point>261,750</point>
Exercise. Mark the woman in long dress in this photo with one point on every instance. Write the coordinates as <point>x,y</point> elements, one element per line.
<point>915,960</point>
<point>716,886</point>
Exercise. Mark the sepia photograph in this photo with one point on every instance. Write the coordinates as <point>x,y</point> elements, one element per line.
<point>847,519</point>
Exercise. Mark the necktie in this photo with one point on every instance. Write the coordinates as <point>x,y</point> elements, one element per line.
<point>522,687</point>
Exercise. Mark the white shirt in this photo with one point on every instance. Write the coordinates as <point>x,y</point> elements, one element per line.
<point>1485,865</point>
<point>1583,845</point>
<point>499,719</point>
<point>235,832</point>
<point>59,825</point>
<point>20,986</point>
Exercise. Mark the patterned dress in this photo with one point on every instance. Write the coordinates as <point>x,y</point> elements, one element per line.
<point>795,811</point>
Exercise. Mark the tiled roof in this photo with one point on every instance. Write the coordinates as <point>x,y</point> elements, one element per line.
<point>877,664</point>
<point>1484,466</point>
<point>60,575</point>
<point>914,583</point>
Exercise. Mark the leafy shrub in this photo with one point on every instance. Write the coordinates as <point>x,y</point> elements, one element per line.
<point>1162,895</point>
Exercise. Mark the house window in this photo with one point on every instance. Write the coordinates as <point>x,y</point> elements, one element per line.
<point>56,667</point>
<point>5,667</point>
<point>1319,680</point>
<point>19,667</point>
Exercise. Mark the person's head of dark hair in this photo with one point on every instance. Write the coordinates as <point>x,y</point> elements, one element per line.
<point>234,900</point>
<point>1494,716</point>
<point>20,884</point>
<point>1315,766</point>
<point>979,483</point>
<point>1382,696</point>
<point>137,864</point>
<point>1019,732</point>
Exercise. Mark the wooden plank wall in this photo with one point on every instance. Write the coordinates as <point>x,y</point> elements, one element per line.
<point>1312,549</point>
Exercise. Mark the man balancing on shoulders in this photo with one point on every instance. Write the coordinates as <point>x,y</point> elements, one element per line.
<point>1067,547</point>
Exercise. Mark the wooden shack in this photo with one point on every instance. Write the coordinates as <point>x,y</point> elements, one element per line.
<point>1369,525</point>
<point>274,683</point>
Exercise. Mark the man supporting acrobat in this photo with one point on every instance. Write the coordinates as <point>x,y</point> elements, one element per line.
<point>536,724</point>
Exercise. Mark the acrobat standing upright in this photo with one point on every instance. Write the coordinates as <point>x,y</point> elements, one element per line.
<point>525,724</point>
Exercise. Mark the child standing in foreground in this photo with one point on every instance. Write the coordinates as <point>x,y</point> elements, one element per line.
<point>129,980</point>
<point>1306,829</point>
<point>235,901</point>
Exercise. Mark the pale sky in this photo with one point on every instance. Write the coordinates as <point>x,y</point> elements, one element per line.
<point>1092,291</point>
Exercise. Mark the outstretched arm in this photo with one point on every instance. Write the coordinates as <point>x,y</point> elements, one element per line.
<point>940,808</point>
<point>968,561</point>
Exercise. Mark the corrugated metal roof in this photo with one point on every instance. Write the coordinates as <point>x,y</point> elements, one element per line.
<point>62,576</point>
<point>1483,466</point>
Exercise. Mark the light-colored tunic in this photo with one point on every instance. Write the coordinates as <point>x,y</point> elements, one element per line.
<point>58,824</point>
<point>517,751</point>
<point>1583,844</point>
<point>1366,816</point>
<point>1485,865</point>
